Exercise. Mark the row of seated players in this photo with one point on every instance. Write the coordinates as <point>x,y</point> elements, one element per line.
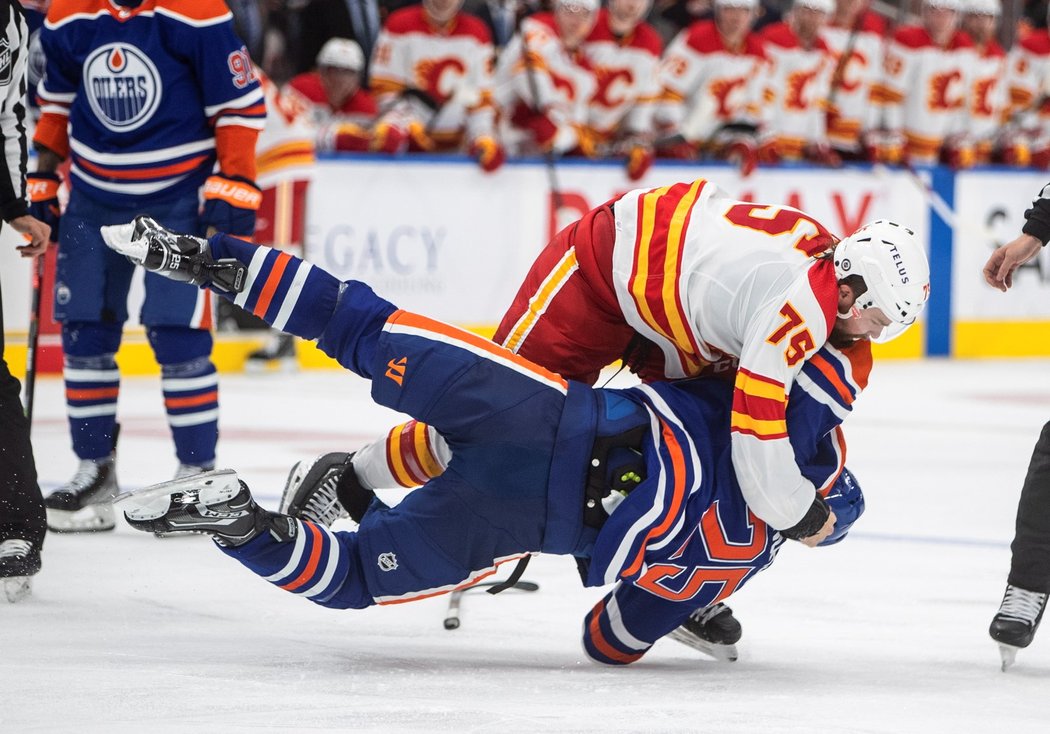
<point>827,83</point>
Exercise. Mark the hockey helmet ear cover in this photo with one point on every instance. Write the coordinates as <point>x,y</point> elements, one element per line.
<point>846,500</point>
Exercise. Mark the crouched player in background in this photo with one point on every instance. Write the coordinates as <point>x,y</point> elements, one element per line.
<point>637,484</point>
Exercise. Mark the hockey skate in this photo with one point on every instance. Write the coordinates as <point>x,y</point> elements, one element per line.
<point>178,257</point>
<point>85,504</point>
<point>712,630</point>
<point>181,472</point>
<point>325,490</point>
<point>277,354</point>
<point>1016,622</point>
<point>19,562</point>
<point>214,502</point>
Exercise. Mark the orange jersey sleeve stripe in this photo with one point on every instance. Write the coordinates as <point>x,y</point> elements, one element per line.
<point>763,430</point>
<point>270,287</point>
<point>311,564</point>
<point>760,409</point>
<point>832,376</point>
<point>678,493</point>
<point>51,132</point>
<point>413,320</point>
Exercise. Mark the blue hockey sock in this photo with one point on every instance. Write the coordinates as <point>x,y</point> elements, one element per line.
<point>191,391</point>
<point>92,387</point>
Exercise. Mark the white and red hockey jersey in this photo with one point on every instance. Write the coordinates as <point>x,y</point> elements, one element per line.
<point>625,69</point>
<point>537,74</point>
<point>989,98</point>
<point>799,84</point>
<point>705,277</point>
<point>284,156</point>
<point>450,64</point>
<point>925,90</point>
<point>850,108</point>
<point>704,84</point>
<point>1029,66</point>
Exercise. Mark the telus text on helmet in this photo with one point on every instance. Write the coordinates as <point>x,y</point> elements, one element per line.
<point>899,261</point>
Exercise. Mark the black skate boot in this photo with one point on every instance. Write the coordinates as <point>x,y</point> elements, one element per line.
<point>85,504</point>
<point>278,353</point>
<point>1016,622</point>
<point>214,502</point>
<point>325,490</point>
<point>178,257</point>
<point>19,562</point>
<point>712,630</point>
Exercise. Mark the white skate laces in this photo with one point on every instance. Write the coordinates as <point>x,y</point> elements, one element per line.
<point>1022,605</point>
<point>15,548</point>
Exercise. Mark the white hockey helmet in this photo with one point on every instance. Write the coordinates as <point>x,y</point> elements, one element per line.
<point>749,4</point>
<point>983,7</point>
<point>341,53</point>
<point>821,6</point>
<point>893,264</point>
<point>956,5</point>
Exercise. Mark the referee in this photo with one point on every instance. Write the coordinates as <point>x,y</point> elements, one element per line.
<point>1027,585</point>
<point>22,522</point>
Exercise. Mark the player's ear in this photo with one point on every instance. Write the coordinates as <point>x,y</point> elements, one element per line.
<point>847,296</point>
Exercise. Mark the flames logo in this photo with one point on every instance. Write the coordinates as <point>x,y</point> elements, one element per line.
<point>795,97</point>
<point>844,79</point>
<point>940,89</point>
<point>982,92</point>
<point>439,77</point>
<point>607,80</point>
<point>720,89</point>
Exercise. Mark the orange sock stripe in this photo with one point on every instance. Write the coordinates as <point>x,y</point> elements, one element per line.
<point>598,638</point>
<point>311,565</point>
<point>92,393</point>
<point>193,400</point>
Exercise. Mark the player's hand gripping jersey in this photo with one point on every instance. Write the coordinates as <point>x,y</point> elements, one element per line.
<point>142,126</point>
<point>704,276</point>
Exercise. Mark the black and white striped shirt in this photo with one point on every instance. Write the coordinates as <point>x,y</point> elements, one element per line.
<point>13,56</point>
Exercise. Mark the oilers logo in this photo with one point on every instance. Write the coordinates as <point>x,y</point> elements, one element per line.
<point>122,85</point>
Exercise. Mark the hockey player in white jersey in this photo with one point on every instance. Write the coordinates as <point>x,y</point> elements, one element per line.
<point>854,35</point>
<point>926,89</point>
<point>431,74</point>
<point>625,53</point>
<point>1029,71</point>
<point>800,83</point>
<point>989,98</point>
<point>544,82</point>
<point>713,85</point>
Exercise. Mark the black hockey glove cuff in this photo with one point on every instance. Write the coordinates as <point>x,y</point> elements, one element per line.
<point>811,522</point>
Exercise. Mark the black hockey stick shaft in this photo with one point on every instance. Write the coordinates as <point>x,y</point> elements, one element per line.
<point>33,342</point>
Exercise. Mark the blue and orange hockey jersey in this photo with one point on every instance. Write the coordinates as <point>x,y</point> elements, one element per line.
<point>153,95</point>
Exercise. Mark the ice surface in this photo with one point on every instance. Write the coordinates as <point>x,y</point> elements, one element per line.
<point>886,632</point>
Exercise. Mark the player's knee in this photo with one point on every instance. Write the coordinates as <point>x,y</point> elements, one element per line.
<point>89,339</point>
<point>175,346</point>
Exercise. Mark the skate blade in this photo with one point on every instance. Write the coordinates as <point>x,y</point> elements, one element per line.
<point>150,503</point>
<point>1008,654</point>
<point>282,365</point>
<point>94,518</point>
<point>722,653</point>
<point>16,588</point>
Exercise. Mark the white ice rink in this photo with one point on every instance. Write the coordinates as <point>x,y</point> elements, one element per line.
<point>886,632</point>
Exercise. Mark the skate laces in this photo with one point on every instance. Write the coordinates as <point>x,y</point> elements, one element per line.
<point>706,614</point>
<point>87,473</point>
<point>1022,605</point>
<point>323,505</point>
<point>15,548</point>
<point>189,470</point>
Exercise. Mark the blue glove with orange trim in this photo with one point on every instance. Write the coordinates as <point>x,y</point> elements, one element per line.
<point>230,203</point>
<point>42,189</point>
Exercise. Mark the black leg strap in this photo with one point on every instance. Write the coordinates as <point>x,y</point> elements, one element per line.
<point>513,578</point>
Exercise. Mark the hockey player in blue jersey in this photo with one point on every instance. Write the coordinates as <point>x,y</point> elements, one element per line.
<point>637,484</point>
<point>154,102</point>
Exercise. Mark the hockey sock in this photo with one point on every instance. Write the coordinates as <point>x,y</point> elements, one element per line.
<point>314,563</point>
<point>92,386</point>
<point>191,391</point>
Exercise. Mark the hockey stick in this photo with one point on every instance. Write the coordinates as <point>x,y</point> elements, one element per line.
<point>454,599</point>
<point>534,92</point>
<point>34,337</point>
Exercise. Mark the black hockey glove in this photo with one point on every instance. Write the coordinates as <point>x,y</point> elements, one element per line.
<point>811,522</point>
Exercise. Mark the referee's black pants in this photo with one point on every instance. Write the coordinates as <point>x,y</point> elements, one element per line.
<point>21,505</point>
<point>1030,565</point>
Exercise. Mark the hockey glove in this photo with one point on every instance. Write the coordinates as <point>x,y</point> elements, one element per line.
<point>177,257</point>
<point>42,189</point>
<point>390,138</point>
<point>811,522</point>
<point>344,137</point>
<point>639,161</point>
<point>488,153</point>
<point>230,203</point>
<point>823,155</point>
